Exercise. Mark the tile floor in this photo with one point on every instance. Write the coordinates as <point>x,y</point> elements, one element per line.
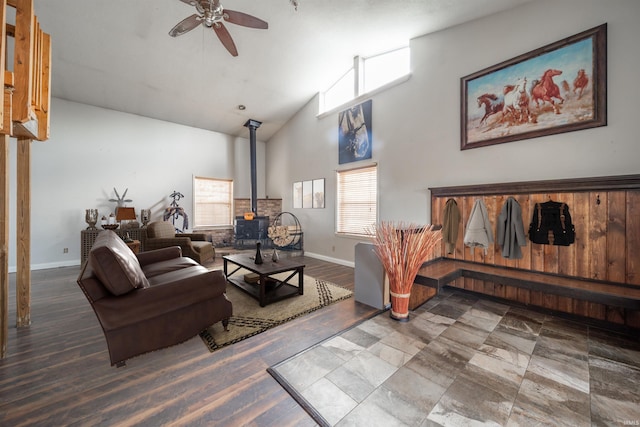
<point>462,360</point>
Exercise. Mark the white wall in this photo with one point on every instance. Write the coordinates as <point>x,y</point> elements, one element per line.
<point>416,136</point>
<point>92,150</point>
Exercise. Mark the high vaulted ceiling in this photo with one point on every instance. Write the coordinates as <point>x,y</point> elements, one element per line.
<point>117,54</point>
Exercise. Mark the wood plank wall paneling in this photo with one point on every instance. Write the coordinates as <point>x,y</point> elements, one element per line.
<point>598,235</point>
<point>567,254</point>
<point>607,236</point>
<point>632,231</point>
<point>607,244</point>
<point>581,216</point>
<point>616,237</point>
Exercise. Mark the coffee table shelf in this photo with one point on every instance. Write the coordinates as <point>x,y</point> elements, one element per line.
<point>269,289</point>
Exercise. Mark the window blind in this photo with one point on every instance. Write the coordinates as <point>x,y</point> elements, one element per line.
<point>213,202</point>
<point>357,200</point>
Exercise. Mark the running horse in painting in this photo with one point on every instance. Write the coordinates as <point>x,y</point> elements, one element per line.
<point>492,105</point>
<point>545,90</point>
<point>580,82</point>
<point>516,102</point>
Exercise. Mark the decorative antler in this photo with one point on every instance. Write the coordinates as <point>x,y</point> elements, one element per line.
<point>120,200</point>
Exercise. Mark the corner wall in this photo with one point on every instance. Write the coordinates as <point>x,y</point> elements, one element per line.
<point>416,125</point>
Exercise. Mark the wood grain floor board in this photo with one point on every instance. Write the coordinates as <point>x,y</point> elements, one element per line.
<point>57,370</point>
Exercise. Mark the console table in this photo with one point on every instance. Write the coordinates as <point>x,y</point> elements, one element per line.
<point>88,237</point>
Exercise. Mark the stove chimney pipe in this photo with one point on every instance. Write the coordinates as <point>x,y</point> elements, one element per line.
<point>253,125</point>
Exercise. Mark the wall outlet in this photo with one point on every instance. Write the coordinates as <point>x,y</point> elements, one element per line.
<point>65,250</point>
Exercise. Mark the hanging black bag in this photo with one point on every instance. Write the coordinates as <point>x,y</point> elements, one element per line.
<point>551,224</point>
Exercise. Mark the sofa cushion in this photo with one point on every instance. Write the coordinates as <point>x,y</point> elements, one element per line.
<point>162,267</point>
<point>115,265</point>
<point>198,246</point>
<point>161,230</point>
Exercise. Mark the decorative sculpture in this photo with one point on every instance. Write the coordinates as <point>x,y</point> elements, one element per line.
<point>120,200</point>
<point>174,212</point>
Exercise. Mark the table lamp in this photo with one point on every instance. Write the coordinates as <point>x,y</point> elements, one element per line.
<point>125,214</point>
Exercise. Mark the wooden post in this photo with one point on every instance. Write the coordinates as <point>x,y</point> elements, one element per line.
<point>4,244</point>
<point>4,190</point>
<point>23,233</point>
<point>24,114</point>
<point>3,54</point>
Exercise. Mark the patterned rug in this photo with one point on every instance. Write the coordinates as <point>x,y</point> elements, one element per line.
<point>250,319</point>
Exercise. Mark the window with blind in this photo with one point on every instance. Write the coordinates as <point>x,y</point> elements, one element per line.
<point>213,200</point>
<point>357,202</point>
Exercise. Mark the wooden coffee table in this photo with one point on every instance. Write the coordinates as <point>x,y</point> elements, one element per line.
<point>268,289</point>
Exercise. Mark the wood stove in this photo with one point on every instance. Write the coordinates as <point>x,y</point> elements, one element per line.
<point>248,232</point>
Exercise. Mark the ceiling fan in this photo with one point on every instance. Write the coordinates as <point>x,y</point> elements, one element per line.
<point>211,14</point>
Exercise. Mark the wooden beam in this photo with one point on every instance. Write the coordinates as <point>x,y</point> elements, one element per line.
<point>4,244</point>
<point>23,60</point>
<point>23,233</point>
<point>3,51</point>
<point>44,118</point>
<point>7,123</point>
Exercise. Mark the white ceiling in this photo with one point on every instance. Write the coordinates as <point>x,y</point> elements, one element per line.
<point>117,54</point>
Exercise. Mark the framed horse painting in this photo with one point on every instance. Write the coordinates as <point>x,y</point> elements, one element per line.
<point>557,88</point>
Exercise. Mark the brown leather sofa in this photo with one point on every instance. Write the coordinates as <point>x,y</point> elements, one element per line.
<point>162,234</point>
<point>151,300</point>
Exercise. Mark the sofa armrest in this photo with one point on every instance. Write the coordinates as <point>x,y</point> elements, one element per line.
<point>194,236</point>
<point>157,255</point>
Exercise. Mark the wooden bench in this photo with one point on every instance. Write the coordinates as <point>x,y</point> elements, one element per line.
<point>596,277</point>
<point>441,272</point>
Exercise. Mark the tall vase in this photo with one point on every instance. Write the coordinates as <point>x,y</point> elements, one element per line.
<point>91,217</point>
<point>258,258</point>
<point>402,249</point>
<point>400,306</point>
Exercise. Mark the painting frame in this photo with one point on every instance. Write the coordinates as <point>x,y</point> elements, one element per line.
<point>309,194</point>
<point>318,193</point>
<point>297,195</point>
<point>509,114</point>
<point>355,133</point>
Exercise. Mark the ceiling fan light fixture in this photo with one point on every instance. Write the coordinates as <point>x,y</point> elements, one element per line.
<point>211,14</point>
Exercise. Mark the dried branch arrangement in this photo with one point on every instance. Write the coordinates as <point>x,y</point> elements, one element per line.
<point>402,249</point>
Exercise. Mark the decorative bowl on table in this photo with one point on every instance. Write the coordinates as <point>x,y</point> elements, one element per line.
<point>110,226</point>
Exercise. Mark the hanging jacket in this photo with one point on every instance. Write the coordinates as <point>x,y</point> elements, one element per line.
<point>510,229</point>
<point>551,224</point>
<point>450,225</point>
<point>478,231</point>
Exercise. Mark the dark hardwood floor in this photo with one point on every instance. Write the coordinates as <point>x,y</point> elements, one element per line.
<point>57,370</point>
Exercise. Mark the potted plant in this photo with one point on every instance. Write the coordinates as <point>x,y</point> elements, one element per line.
<point>402,249</point>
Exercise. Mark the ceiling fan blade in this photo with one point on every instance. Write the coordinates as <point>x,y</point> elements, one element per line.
<point>244,19</point>
<point>185,25</point>
<point>225,38</point>
<point>189,2</point>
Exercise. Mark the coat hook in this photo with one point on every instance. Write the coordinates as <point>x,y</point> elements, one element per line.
<point>598,199</point>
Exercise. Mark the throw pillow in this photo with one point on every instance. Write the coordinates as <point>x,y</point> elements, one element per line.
<point>115,265</point>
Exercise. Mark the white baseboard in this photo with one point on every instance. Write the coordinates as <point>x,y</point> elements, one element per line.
<point>71,263</point>
<point>330,259</point>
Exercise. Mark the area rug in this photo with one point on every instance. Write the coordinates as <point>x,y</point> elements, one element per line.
<point>250,319</point>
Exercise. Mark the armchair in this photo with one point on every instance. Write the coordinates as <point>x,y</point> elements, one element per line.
<point>162,234</point>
